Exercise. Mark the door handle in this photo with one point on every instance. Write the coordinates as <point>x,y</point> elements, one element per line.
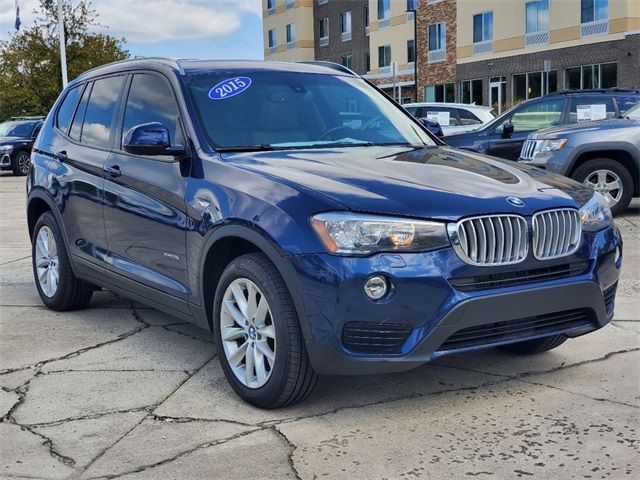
<point>62,155</point>
<point>113,170</point>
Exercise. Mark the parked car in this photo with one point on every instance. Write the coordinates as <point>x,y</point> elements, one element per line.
<point>504,136</point>
<point>454,118</point>
<point>603,154</point>
<point>16,140</point>
<point>232,194</point>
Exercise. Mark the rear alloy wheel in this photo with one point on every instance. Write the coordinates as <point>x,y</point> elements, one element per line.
<point>260,345</point>
<point>609,178</point>
<point>21,164</point>
<point>57,285</point>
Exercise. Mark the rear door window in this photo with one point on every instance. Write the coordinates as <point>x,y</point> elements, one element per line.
<point>468,118</point>
<point>585,109</point>
<point>67,108</point>
<point>76,126</point>
<point>99,118</point>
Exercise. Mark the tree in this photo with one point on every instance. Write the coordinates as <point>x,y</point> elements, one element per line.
<point>30,71</point>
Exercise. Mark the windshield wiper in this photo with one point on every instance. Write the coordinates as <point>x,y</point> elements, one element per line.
<point>247,148</point>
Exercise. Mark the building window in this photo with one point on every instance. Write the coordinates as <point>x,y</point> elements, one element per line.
<point>411,51</point>
<point>347,61</point>
<point>322,2</point>
<point>272,38</point>
<point>483,33</point>
<point>536,23</point>
<point>366,21</point>
<point>604,75</point>
<point>437,42</point>
<point>290,4</point>
<point>593,10</point>
<point>291,33</point>
<point>367,62</point>
<point>271,6</point>
<point>384,56</point>
<point>594,15</point>
<point>411,10</point>
<point>324,31</point>
<point>345,26</point>
<point>384,13</point>
<point>532,85</point>
<point>443,92</point>
<point>470,91</point>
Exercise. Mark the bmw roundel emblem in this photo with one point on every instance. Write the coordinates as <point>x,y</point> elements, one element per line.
<point>515,201</point>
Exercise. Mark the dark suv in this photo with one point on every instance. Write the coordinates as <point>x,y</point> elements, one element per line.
<point>504,136</point>
<point>307,220</point>
<point>16,139</point>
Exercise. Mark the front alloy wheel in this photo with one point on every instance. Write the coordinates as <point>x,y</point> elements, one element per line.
<point>607,183</point>
<point>248,334</point>
<point>260,345</point>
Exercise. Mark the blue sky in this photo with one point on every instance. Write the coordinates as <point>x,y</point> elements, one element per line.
<point>172,28</point>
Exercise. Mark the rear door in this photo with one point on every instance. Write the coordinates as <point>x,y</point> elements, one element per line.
<point>145,213</point>
<point>527,119</point>
<point>82,151</point>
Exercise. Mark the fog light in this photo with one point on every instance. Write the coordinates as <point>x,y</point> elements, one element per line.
<point>376,287</point>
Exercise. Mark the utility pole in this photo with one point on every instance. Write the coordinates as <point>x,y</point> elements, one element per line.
<point>63,47</point>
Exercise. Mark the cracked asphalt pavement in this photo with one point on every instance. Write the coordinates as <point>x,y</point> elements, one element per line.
<point>120,390</point>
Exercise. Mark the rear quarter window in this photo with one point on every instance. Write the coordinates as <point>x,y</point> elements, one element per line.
<point>67,108</point>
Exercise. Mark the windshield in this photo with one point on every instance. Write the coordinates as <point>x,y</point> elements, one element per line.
<point>633,112</point>
<point>269,109</point>
<point>16,129</point>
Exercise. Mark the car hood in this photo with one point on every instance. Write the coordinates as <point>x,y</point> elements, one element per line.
<point>434,182</point>
<point>573,128</point>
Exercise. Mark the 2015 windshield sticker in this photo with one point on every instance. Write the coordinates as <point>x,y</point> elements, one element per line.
<point>229,88</point>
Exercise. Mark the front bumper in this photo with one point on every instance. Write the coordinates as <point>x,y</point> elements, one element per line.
<point>425,301</point>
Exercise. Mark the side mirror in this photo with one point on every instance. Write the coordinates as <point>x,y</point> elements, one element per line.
<point>150,139</point>
<point>433,127</point>
<point>507,130</point>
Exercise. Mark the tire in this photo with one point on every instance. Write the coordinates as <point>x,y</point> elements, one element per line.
<point>539,345</point>
<point>289,378</point>
<point>587,173</point>
<point>21,164</point>
<point>69,293</point>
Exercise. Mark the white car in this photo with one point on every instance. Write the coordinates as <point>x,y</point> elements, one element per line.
<point>454,118</point>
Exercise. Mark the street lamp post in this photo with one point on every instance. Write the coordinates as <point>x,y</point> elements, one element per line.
<point>63,48</point>
<point>415,49</point>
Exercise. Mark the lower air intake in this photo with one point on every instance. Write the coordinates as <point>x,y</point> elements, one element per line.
<point>515,329</point>
<point>369,337</point>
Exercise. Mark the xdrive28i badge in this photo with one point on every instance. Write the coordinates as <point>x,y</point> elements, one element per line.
<point>515,201</point>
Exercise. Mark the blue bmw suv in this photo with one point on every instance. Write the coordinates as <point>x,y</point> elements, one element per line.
<point>308,221</point>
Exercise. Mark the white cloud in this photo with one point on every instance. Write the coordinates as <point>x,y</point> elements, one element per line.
<point>152,21</point>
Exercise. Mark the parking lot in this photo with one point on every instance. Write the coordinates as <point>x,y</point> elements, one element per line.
<point>122,390</point>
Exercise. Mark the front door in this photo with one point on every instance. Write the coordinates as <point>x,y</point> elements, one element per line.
<point>145,213</point>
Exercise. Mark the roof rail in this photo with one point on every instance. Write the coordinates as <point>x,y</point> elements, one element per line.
<point>174,61</point>
<point>331,65</point>
<point>28,117</point>
<point>596,90</point>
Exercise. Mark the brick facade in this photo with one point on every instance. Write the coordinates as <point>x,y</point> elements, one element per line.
<point>357,47</point>
<point>443,11</point>
<point>625,52</point>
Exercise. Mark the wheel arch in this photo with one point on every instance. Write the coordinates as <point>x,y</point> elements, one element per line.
<point>622,154</point>
<point>38,203</point>
<point>231,241</point>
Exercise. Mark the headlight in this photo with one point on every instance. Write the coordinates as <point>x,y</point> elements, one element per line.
<point>6,148</point>
<point>595,214</point>
<point>550,145</point>
<point>347,233</point>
